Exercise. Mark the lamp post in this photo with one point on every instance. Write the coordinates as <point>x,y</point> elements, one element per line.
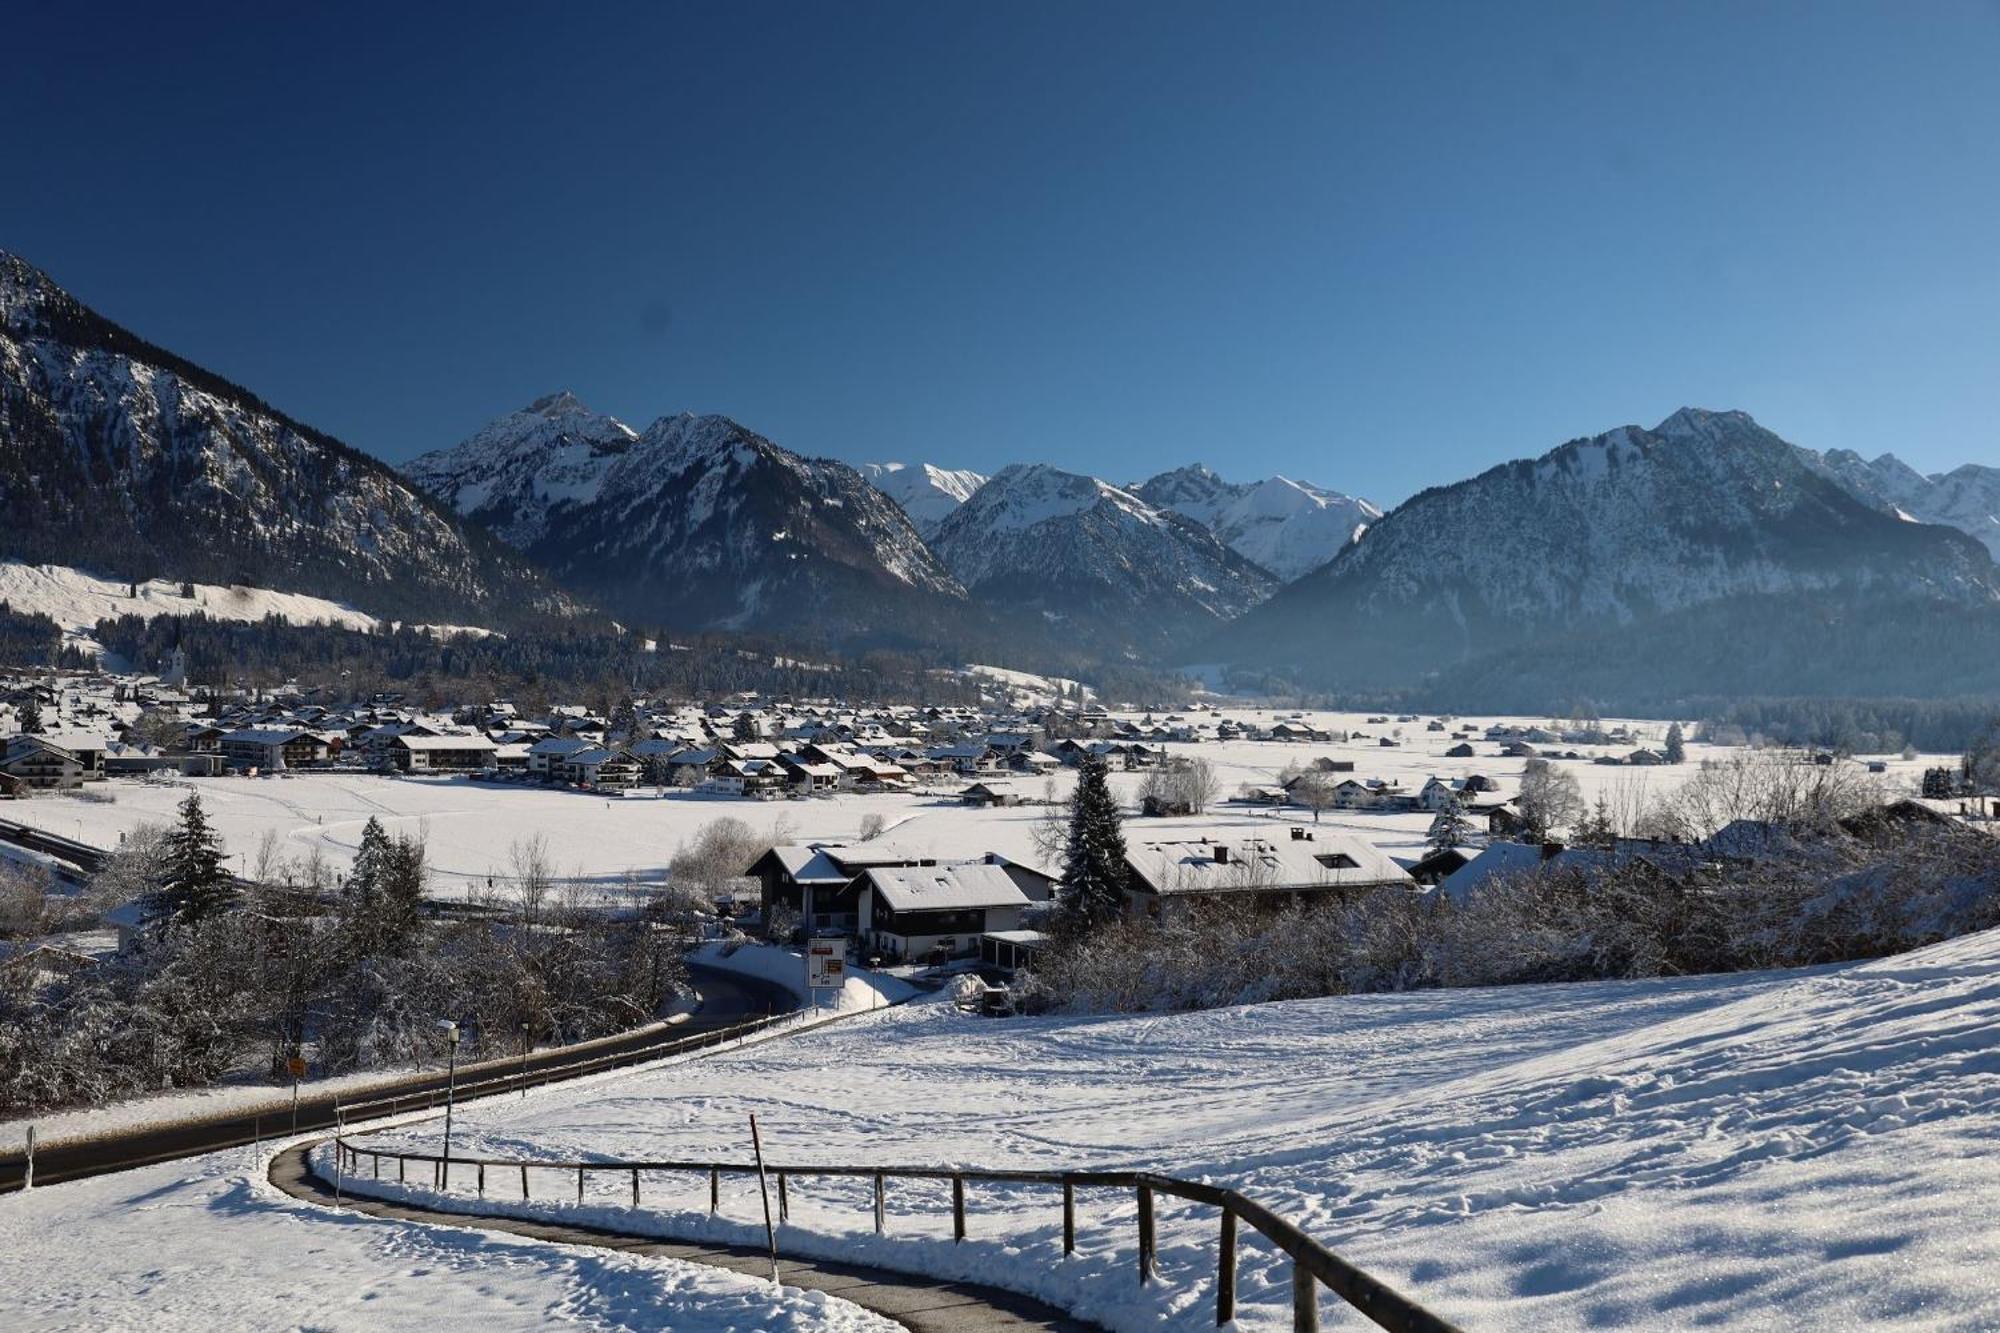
<point>526,1045</point>
<point>450,1030</point>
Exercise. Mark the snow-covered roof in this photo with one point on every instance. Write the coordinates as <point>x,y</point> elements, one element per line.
<point>446,743</point>
<point>944,888</point>
<point>1316,860</point>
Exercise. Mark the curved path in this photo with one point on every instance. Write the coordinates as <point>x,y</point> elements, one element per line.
<point>923,1305</point>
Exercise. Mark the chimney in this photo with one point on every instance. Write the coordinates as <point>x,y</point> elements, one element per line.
<point>1298,834</point>
<point>1222,853</point>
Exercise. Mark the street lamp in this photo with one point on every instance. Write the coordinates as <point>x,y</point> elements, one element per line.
<point>450,1030</point>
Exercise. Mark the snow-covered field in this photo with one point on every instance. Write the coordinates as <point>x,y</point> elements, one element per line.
<point>209,1244</point>
<point>1799,1150</point>
<point>470,826</point>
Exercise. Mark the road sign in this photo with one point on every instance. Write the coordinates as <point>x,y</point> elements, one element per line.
<point>297,1065</point>
<point>826,964</point>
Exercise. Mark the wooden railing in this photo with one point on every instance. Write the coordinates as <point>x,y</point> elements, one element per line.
<point>1313,1264</point>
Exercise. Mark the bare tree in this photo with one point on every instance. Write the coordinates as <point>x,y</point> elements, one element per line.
<point>1551,798</point>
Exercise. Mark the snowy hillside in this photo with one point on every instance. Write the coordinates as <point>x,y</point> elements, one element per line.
<point>76,600</point>
<point>1289,527</point>
<point>694,522</point>
<point>1615,532</point>
<point>1095,560</point>
<point>184,475</point>
<point>927,494</point>
<point>1793,1150</point>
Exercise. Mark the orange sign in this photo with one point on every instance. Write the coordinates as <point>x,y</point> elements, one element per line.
<point>297,1065</point>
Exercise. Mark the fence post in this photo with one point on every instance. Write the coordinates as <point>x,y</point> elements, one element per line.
<point>28,1180</point>
<point>714,1190</point>
<point>1225,1271</point>
<point>1305,1299</point>
<point>524,1181</point>
<point>958,1208</point>
<point>482,1180</point>
<point>1069,1217</point>
<point>1145,1233</point>
<point>402,1168</point>
<point>635,1187</point>
<point>878,1203</point>
<point>579,1185</point>
<point>784,1203</point>
<point>376,1158</point>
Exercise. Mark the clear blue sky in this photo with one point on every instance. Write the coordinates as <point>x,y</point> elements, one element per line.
<point>1378,246</point>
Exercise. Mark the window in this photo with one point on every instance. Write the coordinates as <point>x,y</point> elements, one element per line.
<point>1337,861</point>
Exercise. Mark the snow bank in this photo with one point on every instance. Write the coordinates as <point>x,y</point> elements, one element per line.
<point>863,989</point>
<point>1810,1149</point>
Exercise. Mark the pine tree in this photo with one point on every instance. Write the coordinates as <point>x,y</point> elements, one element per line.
<point>193,884</point>
<point>1451,828</point>
<point>31,716</point>
<point>1093,893</point>
<point>1598,829</point>
<point>1677,750</point>
<point>402,890</point>
<point>364,882</point>
<point>624,722</point>
<point>745,729</point>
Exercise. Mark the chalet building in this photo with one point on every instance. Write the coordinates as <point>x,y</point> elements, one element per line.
<point>1255,873</point>
<point>981,795</point>
<point>34,763</point>
<point>88,748</point>
<point>934,912</point>
<point>274,749</point>
<point>547,755</point>
<point>601,768</point>
<point>443,754</point>
<point>809,777</point>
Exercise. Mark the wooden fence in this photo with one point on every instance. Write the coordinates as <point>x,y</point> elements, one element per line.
<point>1313,1265</point>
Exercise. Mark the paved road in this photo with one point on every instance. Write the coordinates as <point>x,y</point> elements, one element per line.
<point>924,1305</point>
<point>727,1002</point>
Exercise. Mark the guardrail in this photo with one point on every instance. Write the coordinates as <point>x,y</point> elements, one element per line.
<point>1313,1264</point>
<point>500,1082</point>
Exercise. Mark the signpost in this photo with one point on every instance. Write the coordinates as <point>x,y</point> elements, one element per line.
<point>297,1067</point>
<point>826,966</point>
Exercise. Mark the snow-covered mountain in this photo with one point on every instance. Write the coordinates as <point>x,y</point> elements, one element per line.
<point>695,522</point>
<point>1289,527</point>
<point>1606,536</point>
<point>119,457</point>
<point>927,494</point>
<point>1966,498</point>
<point>1095,560</point>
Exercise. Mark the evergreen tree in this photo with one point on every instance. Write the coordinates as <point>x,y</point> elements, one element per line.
<point>1451,828</point>
<point>364,882</point>
<point>745,729</point>
<point>1677,750</point>
<point>1093,893</point>
<point>31,716</point>
<point>1598,829</point>
<point>402,890</point>
<point>624,722</point>
<point>193,884</point>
